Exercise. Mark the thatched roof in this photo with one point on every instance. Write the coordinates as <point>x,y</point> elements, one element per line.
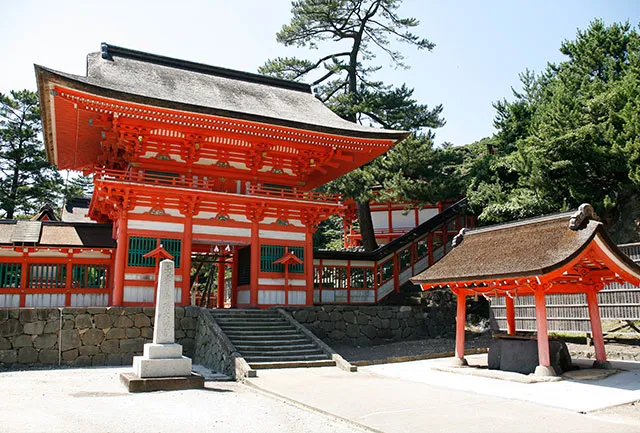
<point>531,247</point>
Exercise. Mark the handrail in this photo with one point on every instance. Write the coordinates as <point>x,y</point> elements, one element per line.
<point>206,184</point>
<point>267,191</point>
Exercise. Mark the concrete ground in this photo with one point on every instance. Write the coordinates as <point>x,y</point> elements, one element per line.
<point>403,397</point>
<point>94,400</point>
<point>413,397</point>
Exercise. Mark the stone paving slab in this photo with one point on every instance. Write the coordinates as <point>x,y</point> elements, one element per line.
<point>409,404</point>
<point>577,396</point>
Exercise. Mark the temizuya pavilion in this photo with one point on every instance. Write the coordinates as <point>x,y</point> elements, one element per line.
<point>556,254</point>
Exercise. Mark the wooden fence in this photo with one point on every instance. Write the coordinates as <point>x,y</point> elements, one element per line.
<point>619,308</point>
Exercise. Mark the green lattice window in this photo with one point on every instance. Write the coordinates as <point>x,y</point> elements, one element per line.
<point>139,246</point>
<point>422,248</point>
<point>89,276</point>
<point>335,277</point>
<point>385,271</point>
<point>10,275</point>
<point>271,253</point>
<point>173,247</point>
<point>362,278</point>
<point>47,276</point>
<point>405,259</point>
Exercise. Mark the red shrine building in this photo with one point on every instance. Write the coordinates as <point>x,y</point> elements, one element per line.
<point>189,157</point>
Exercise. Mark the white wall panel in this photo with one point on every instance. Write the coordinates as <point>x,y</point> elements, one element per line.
<point>90,300</point>
<point>271,297</point>
<point>244,297</point>
<point>297,297</point>
<point>9,301</point>
<point>221,231</point>
<point>276,234</point>
<point>401,219</point>
<point>155,225</point>
<point>426,214</point>
<point>380,219</point>
<point>45,300</point>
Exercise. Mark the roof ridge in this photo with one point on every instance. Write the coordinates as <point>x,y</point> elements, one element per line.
<point>107,51</point>
<point>522,222</point>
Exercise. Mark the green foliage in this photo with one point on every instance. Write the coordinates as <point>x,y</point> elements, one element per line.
<point>570,136</point>
<point>27,179</point>
<point>78,186</point>
<point>329,234</point>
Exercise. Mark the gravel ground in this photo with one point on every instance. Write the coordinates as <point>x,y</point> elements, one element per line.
<point>412,349</point>
<point>615,351</point>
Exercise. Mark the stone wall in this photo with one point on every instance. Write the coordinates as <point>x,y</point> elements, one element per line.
<point>84,336</point>
<point>368,325</point>
<point>212,347</point>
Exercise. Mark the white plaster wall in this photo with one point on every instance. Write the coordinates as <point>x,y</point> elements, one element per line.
<point>244,297</point>
<point>90,300</point>
<point>380,219</point>
<point>271,297</point>
<point>275,234</point>
<point>400,220</point>
<point>221,231</point>
<point>9,301</point>
<point>426,214</point>
<point>297,297</point>
<point>155,225</point>
<point>45,300</point>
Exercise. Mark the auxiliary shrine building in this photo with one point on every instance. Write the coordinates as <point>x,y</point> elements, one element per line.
<point>187,157</point>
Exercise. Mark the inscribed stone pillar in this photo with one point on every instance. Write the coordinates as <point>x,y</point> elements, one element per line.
<point>164,328</point>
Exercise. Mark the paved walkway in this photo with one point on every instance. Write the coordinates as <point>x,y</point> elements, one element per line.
<point>93,400</point>
<point>410,397</point>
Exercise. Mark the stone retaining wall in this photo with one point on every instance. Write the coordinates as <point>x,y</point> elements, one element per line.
<point>84,336</point>
<point>368,325</point>
<point>212,347</point>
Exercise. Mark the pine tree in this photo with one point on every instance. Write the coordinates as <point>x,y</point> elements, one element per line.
<point>27,179</point>
<point>344,79</point>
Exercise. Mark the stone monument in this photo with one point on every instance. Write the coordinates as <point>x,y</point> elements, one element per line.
<point>162,366</point>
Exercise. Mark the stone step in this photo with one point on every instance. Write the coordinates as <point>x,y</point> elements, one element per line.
<point>278,358</point>
<point>302,342</point>
<point>256,328</point>
<point>263,333</point>
<point>247,323</point>
<point>270,351</point>
<point>259,342</point>
<point>245,313</point>
<point>250,320</point>
<point>291,364</point>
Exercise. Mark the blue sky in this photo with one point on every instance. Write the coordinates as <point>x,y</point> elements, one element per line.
<point>480,46</point>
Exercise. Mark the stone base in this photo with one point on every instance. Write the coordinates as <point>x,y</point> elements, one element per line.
<point>137,384</point>
<point>459,362</point>
<point>173,367</point>
<point>545,371</point>
<point>604,365</point>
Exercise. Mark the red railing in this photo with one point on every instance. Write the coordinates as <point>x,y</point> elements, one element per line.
<point>206,183</point>
<point>292,194</point>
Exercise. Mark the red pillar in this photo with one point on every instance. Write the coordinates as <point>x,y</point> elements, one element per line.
<point>511,315</point>
<point>255,262</point>
<point>544,363</point>
<point>308,265</point>
<point>461,319</point>
<point>120,261</point>
<point>221,282</point>
<point>596,329</point>
<point>186,259</point>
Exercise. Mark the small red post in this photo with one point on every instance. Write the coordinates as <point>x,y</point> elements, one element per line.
<point>461,319</point>
<point>596,329</point>
<point>511,315</point>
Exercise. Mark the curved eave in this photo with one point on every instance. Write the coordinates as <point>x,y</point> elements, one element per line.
<point>44,75</point>
<point>627,268</point>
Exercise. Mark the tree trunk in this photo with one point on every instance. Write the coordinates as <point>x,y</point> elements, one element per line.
<point>366,226</point>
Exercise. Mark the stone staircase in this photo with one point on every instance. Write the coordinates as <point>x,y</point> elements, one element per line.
<point>265,339</point>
